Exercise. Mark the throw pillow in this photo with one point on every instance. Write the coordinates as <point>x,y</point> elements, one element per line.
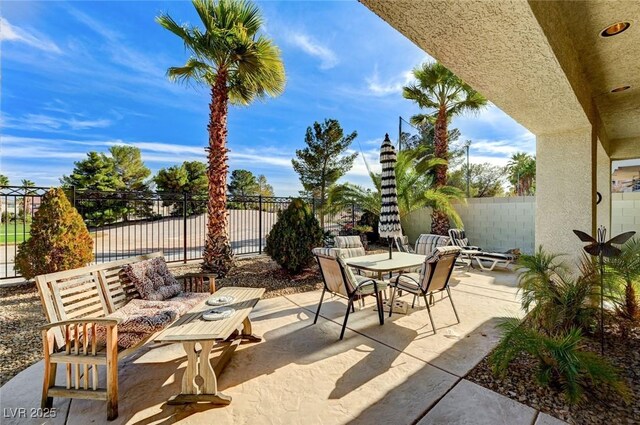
<point>152,279</point>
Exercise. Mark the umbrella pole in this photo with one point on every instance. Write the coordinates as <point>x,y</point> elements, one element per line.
<point>390,249</point>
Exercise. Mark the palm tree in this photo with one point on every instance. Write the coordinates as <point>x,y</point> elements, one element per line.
<point>27,200</point>
<point>626,267</point>
<point>445,95</point>
<point>522,173</point>
<point>4,181</point>
<point>415,187</point>
<point>239,66</point>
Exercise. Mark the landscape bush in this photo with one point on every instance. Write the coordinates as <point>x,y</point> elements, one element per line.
<point>561,361</point>
<point>625,269</point>
<point>59,239</point>
<point>294,235</point>
<point>561,307</point>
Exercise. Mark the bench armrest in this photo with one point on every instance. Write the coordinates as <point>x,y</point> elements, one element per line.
<point>104,321</point>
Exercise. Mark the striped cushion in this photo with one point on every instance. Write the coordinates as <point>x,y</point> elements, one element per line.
<point>329,252</point>
<point>403,244</point>
<point>345,252</point>
<point>435,257</point>
<point>348,242</point>
<point>408,281</point>
<point>368,287</point>
<point>352,279</point>
<point>427,244</point>
<point>496,256</point>
<point>459,238</point>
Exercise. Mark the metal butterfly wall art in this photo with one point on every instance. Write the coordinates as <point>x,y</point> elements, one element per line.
<point>600,245</point>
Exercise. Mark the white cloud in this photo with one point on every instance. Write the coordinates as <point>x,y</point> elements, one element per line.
<point>42,122</point>
<point>9,32</point>
<point>93,24</point>
<point>328,58</point>
<point>393,85</point>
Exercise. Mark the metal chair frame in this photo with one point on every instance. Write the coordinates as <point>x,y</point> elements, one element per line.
<point>351,295</point>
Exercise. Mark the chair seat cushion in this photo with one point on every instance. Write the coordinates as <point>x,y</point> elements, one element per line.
<point>495,256</point>
<point>407,282</point>
<point>368,288</point>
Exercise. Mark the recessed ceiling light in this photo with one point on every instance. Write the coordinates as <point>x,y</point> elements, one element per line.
<point>615,29</point>
<point>619,89</point>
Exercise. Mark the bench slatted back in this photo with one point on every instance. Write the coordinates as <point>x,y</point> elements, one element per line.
<point>118,289</point>
<point>92,291</point>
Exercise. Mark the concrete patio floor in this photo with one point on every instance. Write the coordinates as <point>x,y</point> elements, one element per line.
<point>399,373</point>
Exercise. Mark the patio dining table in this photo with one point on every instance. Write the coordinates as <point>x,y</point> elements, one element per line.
<point>381,263</point>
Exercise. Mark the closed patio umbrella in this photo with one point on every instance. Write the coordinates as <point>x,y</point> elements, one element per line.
<point>389,225</point>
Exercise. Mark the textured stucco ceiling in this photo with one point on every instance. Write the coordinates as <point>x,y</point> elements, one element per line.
<point>573,29</point>
<point>542,62</point>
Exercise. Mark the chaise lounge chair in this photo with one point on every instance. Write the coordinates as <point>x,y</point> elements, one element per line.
<point>470,252</point>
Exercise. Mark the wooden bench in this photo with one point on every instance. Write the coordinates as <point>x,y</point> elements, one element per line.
<point>77,304</point>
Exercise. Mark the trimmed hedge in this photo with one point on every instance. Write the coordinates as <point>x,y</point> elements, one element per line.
<point>59,239</point>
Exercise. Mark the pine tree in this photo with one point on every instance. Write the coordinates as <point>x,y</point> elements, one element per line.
<point>191,178</point>
<point>97,173</point>
<point>129,167</point>
<point>133,174</point>
<point>323,161</point>
<point>59,239</point>
<point>264,188</point>
<point>243,183</point>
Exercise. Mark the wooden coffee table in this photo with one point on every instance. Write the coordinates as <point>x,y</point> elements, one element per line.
<point>193,331</point>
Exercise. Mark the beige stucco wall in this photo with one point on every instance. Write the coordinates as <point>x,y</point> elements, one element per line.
<point>603,176</point>
<point>625,215</point>
<point>565,189</point>
<point>498,224</point>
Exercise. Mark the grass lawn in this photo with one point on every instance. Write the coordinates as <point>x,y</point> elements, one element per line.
<point>14,232</point>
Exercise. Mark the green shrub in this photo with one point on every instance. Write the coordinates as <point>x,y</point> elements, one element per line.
<point>8,217</point>
<point>626,271</point>
<point>294,235</point>
<point>561,361</point>
<point>556,299</point>
<point>59,239</point>
<point>561,307</point>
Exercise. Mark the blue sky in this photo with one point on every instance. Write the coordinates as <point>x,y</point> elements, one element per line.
<point>81,76</point>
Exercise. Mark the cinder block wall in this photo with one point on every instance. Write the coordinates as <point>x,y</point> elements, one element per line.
<point>625,212</point>
<point>499,224</point>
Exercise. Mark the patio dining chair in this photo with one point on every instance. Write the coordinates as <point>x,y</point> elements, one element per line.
<point>339,280</point>
<point>433,278</point>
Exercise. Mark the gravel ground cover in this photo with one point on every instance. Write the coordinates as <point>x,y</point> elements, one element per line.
<point>520,385</point>
<point>21,314</point>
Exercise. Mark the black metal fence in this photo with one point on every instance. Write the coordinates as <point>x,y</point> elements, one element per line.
<point>125,224</point>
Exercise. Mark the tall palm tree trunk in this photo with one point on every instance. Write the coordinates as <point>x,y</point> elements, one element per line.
<point>217,255</point>
<point>439,220</point>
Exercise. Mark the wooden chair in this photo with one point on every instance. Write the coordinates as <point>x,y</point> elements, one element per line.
<point>433,278</point>
<point>341,281</point>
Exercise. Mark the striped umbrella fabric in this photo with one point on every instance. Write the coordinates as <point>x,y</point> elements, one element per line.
<point>389,225</point>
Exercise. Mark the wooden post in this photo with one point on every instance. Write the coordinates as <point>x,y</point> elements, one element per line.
<point>112,372</point>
